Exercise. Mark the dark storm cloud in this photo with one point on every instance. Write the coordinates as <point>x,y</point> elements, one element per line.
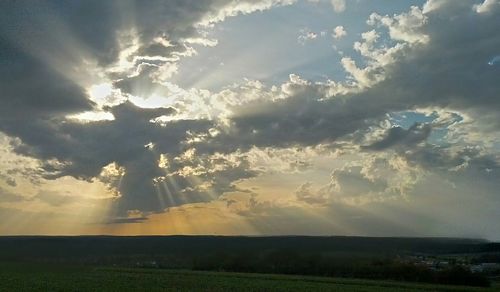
<point>398,136</point>
<point>132,220</point>
<point>34,35</point>
<point>90,147</point>
<point>301,120</point>
<point>84,149</point>
<point>96,24</point>
<point>465,160</point>
<point>31,89</point>
<point>42,45</point>
<point>451,70</point>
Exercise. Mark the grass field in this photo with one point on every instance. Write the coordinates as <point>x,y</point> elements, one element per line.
<point>43,277</point>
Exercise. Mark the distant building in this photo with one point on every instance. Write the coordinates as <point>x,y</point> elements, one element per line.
<point>485,267</point>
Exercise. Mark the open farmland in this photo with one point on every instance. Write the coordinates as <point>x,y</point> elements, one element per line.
<point>44,277</point>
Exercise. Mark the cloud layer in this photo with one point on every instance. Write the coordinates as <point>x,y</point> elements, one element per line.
<point>161,146</point>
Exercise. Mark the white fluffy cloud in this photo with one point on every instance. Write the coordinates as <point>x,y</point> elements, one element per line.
<point>339,32</point>
<point>338,5</point>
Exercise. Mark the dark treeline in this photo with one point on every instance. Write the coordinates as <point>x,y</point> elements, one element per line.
<point>358,257</point>
<point>338,265</point>
<point>103,246</point>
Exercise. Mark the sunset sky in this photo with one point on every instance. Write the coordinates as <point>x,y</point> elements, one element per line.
<point>250,117</point>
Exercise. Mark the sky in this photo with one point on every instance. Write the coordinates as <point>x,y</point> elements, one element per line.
<point>250,117</point>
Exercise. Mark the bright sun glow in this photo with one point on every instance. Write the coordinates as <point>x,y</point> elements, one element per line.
<point>101,93</point>
<point>92,116</point>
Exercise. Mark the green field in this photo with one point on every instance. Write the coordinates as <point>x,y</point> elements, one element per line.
<point>53,277</point>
